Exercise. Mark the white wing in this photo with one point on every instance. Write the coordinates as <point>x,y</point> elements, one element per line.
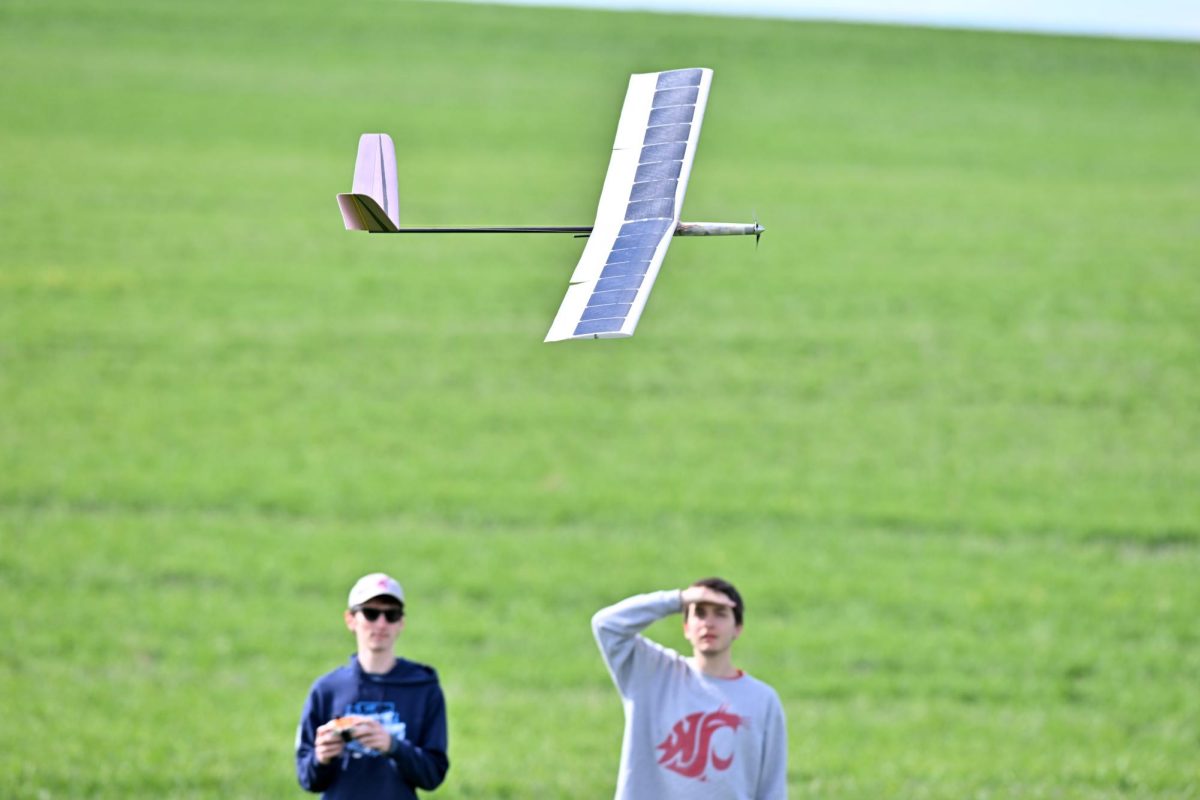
<point>639,205</point>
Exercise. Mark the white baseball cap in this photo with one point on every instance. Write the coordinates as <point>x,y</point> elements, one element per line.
<point>375,585</point>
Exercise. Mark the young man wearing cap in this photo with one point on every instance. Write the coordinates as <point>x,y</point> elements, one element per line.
<point>696,728</point>
<point>375,727</point>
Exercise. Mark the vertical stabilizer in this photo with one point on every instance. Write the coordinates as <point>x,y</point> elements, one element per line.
<point>374,204</point>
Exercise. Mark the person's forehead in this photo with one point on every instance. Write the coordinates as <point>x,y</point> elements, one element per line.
<point>704,605</point>
<point>382,601</point>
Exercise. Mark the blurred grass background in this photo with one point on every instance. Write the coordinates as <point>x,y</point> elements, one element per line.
<point>941,427</point>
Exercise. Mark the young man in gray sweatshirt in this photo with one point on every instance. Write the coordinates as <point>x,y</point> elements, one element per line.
<point>696,728</point>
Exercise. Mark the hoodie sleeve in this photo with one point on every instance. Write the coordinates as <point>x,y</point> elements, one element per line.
<point>617,630</point>
<point>313,776</point>
<point>424,764</point>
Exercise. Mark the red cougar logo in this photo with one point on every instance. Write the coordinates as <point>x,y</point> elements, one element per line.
<point>686,748</point>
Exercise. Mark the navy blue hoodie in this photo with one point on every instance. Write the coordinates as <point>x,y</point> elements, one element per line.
<point>408,702</point>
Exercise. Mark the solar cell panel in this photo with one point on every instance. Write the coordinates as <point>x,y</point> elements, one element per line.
<point>668,133</point>
<point>672,151</point>
<point>598,326</point>
<point>649,190</point>
<point>619,282</point>
<point>636,240</point>
<point>618,297</point>
<point>649,209</point>
<point>676,97</point>
<point>606,312</point>
<point>632,254</point>
<point>679,77</point>
<point>671,115</point>
<point>658,170</point>
<point>638,267</point>
<point>654,227</point>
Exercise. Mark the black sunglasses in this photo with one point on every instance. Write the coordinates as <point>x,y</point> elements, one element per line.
<point>370,614</point>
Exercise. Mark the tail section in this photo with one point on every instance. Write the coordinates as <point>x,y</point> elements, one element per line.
<point>374,204</point>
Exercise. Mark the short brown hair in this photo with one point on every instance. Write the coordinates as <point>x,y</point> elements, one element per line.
<point>726,588</point>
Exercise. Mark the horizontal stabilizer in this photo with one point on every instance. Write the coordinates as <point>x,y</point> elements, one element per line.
<point>361,213</point>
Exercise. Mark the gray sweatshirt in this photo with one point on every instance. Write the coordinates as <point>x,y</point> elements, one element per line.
<point>688,735</point>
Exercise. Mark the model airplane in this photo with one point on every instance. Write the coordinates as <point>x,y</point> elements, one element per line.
<point>636,218</point>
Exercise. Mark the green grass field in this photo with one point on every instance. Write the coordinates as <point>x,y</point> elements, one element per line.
<point>942,428</point>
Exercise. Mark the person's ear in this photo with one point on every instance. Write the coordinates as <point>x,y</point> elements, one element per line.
<point>349,617</point>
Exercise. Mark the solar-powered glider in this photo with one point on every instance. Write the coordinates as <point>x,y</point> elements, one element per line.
<point>637,215</point>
